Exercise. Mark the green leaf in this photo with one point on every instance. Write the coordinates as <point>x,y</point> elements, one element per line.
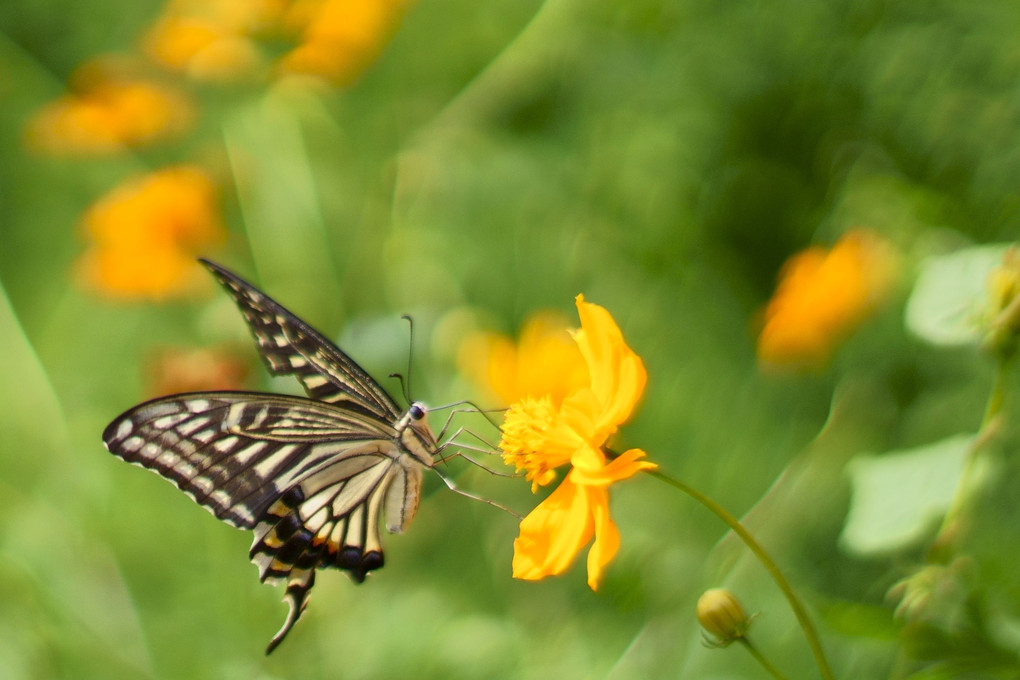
<point>897,496</point>
<point>29,401</point>
<point>950,295</point>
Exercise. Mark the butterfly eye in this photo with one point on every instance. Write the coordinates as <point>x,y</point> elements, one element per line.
<point>417,411</point>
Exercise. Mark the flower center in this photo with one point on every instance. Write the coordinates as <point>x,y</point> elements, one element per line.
<point>526,440</point>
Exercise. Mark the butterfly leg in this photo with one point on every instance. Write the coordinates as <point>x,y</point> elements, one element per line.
<point>455,412</point>
<point>459,453</point>
<point>452,486</point>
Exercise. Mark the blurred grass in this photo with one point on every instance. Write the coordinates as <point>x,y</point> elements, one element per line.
<point>664,158</point>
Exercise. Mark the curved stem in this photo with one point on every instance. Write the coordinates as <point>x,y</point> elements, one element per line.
<point>798,609</point>
<point>760,658</point>
<point>998,393</point>
<point>960,496</point>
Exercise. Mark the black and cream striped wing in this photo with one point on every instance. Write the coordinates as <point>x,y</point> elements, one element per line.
<point>290,346</point>
<point>310,479</point>
<point>236,452</point>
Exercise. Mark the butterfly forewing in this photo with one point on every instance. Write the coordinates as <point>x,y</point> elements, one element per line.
<point>290,346</point>
<point>310,477</point>
<point>236,452</point>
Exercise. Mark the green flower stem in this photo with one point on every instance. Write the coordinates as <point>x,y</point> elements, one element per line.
<point>941,546</point>
<point>998,393</point>
<point>760,658</point>
<point>763,557</point>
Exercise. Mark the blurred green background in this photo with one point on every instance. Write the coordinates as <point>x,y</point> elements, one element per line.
<point>663,158</point>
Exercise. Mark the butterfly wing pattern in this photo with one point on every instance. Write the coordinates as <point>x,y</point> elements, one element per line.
<point>311,477</point>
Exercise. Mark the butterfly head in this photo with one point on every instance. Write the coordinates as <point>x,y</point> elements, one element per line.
<point>417,437</point>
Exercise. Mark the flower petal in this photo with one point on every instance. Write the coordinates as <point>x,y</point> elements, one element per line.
<point>627,464</point>
<point>607,537</point>
<point>617,374</point>
<point>553,533</point>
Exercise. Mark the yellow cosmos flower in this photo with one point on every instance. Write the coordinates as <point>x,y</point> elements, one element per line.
<point>339,38</point>
<point>211,39</point>
<point>544,361</point>
<point>334,40</point>
<point>147,232</point>
<point>110,110</point>
<point>822,296</point>
<point>539,437</point>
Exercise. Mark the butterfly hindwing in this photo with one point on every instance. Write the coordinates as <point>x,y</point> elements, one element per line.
<point>290,346</point>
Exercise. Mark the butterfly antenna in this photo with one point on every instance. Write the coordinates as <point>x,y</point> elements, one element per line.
<point>403,385</point>
<point>410,353</point>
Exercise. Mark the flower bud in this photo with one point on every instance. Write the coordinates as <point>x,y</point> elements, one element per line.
<point>721,615</point>
<point>1003,337</point>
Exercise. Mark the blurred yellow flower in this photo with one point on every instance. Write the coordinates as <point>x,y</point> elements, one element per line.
<point>339,38</point>
<point>212,39</point>
<point>539,437</point>
<point>334,40</point>
<point>544,361</point>
<point>822,296</point>
<point>147,232</point>
<point>177,370</point>
<point>109,111</point>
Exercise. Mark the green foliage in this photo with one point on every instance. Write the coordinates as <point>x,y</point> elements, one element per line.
<point>898,495</point>
<point>951,294</point>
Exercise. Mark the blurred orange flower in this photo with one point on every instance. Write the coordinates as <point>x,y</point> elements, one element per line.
<point>218,39</point>
<point>110,110</point>
<point>545,361</point>
<point>212,39</point>
<point>538,438</point>
<point>339,38</point>
<point>146,233</point>
<point>177,370</point>
<point>822,296</point>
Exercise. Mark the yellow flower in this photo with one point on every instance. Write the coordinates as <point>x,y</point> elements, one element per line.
<point>539,437</point>
<point>544,361</point>
<point>339,38</point>
<point>334,40</point>
<point>211,39</point>
<point>146,233</point>
<point>110,110</point>
<point>176,370</point>
<point>822,296</point>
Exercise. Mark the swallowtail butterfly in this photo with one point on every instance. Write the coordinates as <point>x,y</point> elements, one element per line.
<point>312,477</point>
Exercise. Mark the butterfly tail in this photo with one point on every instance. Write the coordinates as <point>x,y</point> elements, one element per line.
<point>298,588</point>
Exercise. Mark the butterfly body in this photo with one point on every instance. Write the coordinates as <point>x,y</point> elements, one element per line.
<point>312,477</point>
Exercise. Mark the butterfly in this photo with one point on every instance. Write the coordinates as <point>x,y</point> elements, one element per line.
<point>311,477</point>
